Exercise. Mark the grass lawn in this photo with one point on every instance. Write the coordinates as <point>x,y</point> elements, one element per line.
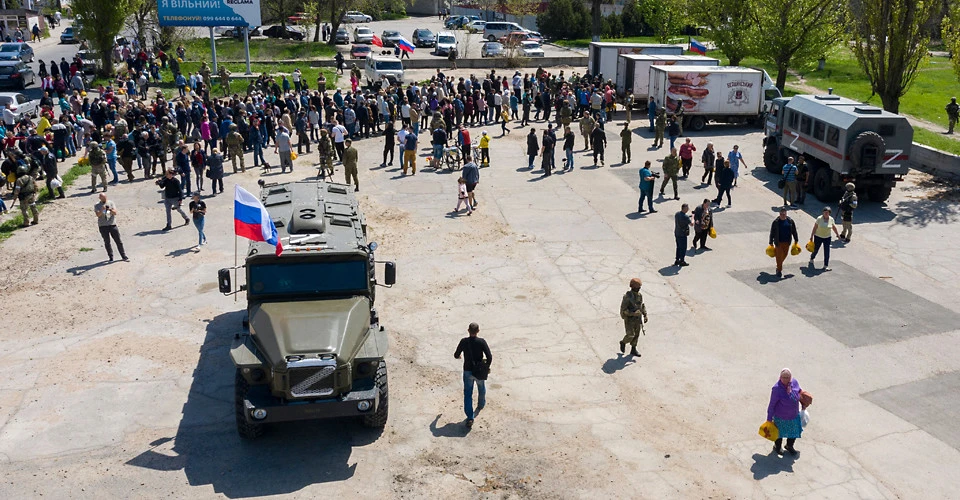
<point>261,49</point>
<point>237,85</point>
<point>43,197</point>
<point>582,43</point>
<point>936,140</point>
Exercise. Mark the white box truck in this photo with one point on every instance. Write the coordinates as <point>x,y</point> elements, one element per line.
<point>633,72</point>
<point>722,94</point>
<point>602,56</point>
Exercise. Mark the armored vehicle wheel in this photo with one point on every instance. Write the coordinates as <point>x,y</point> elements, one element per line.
<point>245,429</point>
<point>879,193</point>
<point>823,187</point>
<point>379,418</point>
<point>771,157</point>
<point>698,123</point>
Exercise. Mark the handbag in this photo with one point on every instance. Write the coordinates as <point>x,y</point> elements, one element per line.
<point>781,183</point>
<point>480,370</point>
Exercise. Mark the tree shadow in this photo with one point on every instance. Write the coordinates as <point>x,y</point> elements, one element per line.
<point>921,213</point>
<point>613,365</point>
<point>450,429</point>
<point>206,447</point>
<point>771,464</point>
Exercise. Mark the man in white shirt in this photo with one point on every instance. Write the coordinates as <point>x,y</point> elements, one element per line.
<point>339,133</point>
<point>296,79</point>
<point>9,118</point>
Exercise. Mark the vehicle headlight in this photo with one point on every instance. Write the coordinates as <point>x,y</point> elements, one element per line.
<point>259,414</point>
<point>363,405</point>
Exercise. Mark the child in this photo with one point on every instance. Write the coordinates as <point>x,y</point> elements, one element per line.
<point>462,196</point>
<point>504,118</point>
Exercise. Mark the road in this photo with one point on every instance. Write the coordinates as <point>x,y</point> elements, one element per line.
<point>49,49</point>
<point>119,383</point>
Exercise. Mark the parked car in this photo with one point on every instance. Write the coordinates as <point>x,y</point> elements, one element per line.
<point>492,49</point>
<point>231,32</point>
<point>423,38</point>
<point>445,41</point>
<point>531,49</point>
<point>91,61</point>
<point>299,17</point>
<point>16,52</point>
<point>285,32</point>
<point>494,30</point>
<point>360,51</point>
<point>353,16</point>
<point>343,37</point>
<point>362,35</point>
<point>16,74</point>
<point>390,38</point>
<point>457,22</point>
<point>20,105</point>
<point>69,35</point>
<point>514,38</point>
<point>379,67</point>
<point>474,26</point>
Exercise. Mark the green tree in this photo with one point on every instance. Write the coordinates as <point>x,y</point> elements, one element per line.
<point>951,35</point>
<point>612,26</point>
<point>596,24</point>
<point>727,23</point>
<point>101,22</point>
<point>665,19</point>
<point>632,19</point>
<point>143,15</point>
<point>890,42</point>
<point>795,33</point>
<point>564,19</point>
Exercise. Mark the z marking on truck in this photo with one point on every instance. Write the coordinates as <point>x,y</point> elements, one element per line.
<point>795,137</point>
<point>896,153</point>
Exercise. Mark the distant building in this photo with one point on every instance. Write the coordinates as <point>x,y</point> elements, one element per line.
<point>11,19</point>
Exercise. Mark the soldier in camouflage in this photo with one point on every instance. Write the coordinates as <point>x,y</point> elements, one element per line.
<point>634,315</point>
<point>325,148</point>
<point>234,143</point>
<point>661,127</point>
<point>225,80</point>
<point>98,166</point>
<point>25,191</point>
<point>671,167</point>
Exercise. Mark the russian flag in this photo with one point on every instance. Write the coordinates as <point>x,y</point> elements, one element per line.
<point>251,220</point>
<point>405,46</point>
<point>698,47</point>
<point>377,41</point>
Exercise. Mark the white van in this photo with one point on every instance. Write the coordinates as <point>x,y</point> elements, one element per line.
<point>493,31</point>
<point>378,67</point>
<point>445,42</point>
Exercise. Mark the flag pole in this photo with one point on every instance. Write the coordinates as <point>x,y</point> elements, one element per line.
<point>235,238</point>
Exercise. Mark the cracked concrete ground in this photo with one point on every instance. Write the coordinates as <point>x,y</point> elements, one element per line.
<point>119,382</point>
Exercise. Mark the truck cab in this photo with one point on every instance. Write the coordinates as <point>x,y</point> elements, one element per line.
<point>311,346</point>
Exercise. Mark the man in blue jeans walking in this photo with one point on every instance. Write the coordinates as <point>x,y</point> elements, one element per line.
<point>475,369</point>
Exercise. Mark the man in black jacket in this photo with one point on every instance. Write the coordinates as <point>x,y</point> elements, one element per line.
<point>172,197</point>
<point>782,232</point>
<point>49,163</point>
<point>475,369</point>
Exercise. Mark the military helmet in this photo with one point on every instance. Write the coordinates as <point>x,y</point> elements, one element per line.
<point>22,170</point>
<point>93,144</point>
<point>850,186</point>
<point>233,126</point>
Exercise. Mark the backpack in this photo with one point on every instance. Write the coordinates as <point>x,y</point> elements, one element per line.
<point>97,157</point>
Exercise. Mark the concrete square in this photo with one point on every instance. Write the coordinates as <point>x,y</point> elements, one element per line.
<point>927,404</point>
<point>851,306</point>
<point>730,222</point>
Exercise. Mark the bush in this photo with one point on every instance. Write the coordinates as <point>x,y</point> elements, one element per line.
<point>611,27</point>
<point>564,19</point>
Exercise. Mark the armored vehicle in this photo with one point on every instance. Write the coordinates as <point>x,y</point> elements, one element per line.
<point>312,346</point>
<point>842,140</point>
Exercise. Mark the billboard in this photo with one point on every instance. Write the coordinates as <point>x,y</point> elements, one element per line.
<point>209,12</point>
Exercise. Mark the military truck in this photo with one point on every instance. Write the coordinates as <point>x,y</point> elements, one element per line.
<point>842,141</point>
<point>311,346</point>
